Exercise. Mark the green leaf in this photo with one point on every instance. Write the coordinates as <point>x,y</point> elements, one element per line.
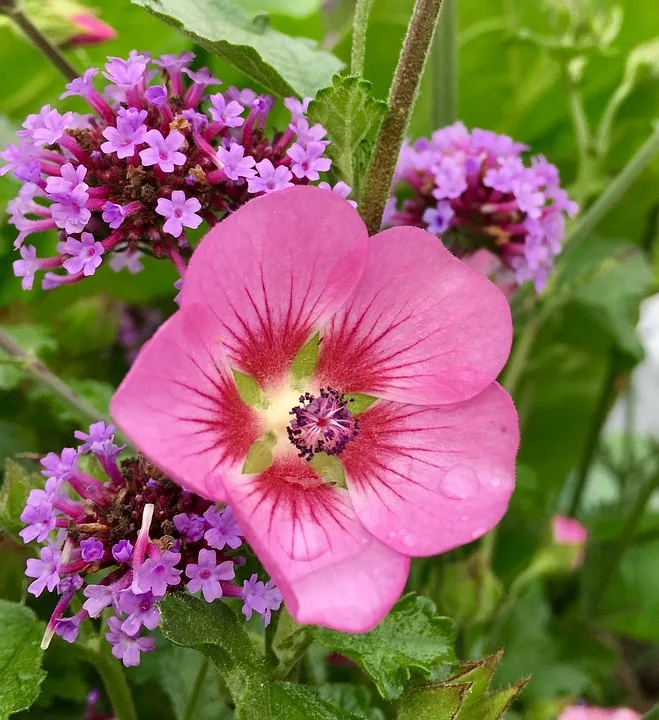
<point>13,495</point>
<point>355,698</point>
<point>352,116</point>
<point>613,297</point>
<point>478,703</point>
<point>20,658</point>
<point>284,701</point>
<point>283,65</point>
<point>292,8</point>
<point>439,702</point>
<point>462,697</point>
<point>290,642</point>
<point>216,632</point>
<point>33,339</point>
<point>176,670</point>
<point>653,714</point>
<point>410,637</point>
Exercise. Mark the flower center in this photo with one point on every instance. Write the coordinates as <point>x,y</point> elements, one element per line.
<point>322,423</point>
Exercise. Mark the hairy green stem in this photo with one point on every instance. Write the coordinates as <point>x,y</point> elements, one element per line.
<point>81,407</point>
<point>444,66</point>
<point>359,29</point>
<point>193,700</point>
<point>402,96</point>
<point>602,408</point>
<point>616,189</point>
<point>623,540</point>
<point>40,41</point>
<point>112,674</point>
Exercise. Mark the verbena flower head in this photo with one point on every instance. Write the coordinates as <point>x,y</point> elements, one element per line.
<point>584,712</point>
<point>475,190</point>
<point>162,151</point>
<point>351,492</point>
<point>143,534</point>
<point>570,533</point>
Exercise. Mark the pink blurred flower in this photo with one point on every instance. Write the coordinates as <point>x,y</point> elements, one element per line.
<point>583,712</point>
<point>91,30</point>
<point>428,467</point>
<point>570,532</point>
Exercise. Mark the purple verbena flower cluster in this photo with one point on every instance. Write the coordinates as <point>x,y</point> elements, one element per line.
<point>162,151</point>
<point>477,184</point>
<point>142,534</point>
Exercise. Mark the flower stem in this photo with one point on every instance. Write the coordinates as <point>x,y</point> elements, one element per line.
<point>97,651</point>
<point>444,66</point>
<point>402,97</point>
<point>39,40</point>
<point>520,354</point>
<point>615,189</point>
<point>83,409</point>
<point>359,28</point>
<point>191,707</point>
<point>510,380</point>
<point>594,431</point>
<point>623,540</point>
<point>579,118</point>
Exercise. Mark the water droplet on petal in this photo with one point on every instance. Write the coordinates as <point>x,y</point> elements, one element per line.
<point>464,518</point>
<point>459,483</point>
<point>409,541</point>
<point>478,532</point>
<point>392,534</point>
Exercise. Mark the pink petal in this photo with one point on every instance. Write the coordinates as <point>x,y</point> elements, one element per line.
<point>179,405</point>
<point>330,571</point>
<point>421,328</point>
<point>274,269</point>
<point>425,480</point>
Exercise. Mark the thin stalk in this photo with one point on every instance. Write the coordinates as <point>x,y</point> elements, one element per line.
<point>82,408</point>
<point>594,431</point>
<point>193,700</point>
<point>444,66</point>
<point>359,29</point>
<point>579,119</point>
<point>520,354</point>
<point>604,131</point>
<point>616,189</point>
<point>588,166</point>
<point>623,540</point>
<point>511,377</point>
<point>270,632</point>
<point>42,43</point>
<point>402,97</point>
<point>113,677</point>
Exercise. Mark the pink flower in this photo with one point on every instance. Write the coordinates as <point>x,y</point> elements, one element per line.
<point>26,266</point>
<point>207,574</point>
<point>570,532</point>
<point>162,151</point>
<point>92,31</point>
<point>86,254</point>
<point>235,163</point>
<point>179,213</point>
<point>428,467</point>
<point>583,712</point>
